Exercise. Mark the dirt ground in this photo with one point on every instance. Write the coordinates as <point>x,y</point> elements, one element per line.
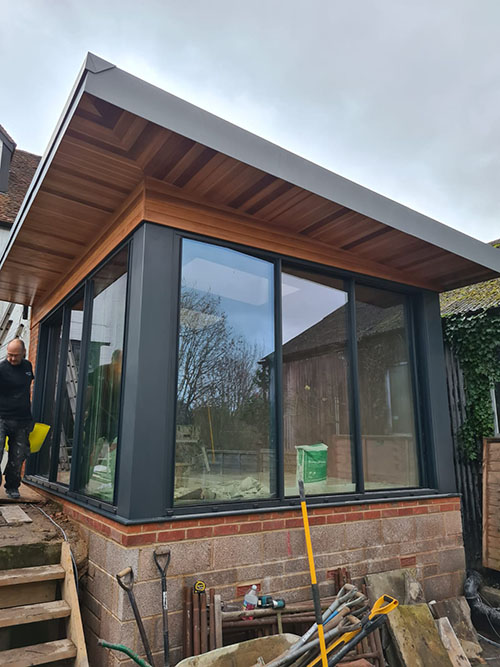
<point>42,529</point>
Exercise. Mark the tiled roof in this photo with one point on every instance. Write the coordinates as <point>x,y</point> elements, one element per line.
<point>481,296</point>
<point>22,169</point>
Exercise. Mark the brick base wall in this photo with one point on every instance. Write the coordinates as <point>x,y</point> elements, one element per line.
<point>266,548</point>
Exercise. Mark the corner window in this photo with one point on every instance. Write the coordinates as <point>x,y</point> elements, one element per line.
<point>281,370</point>
<point>224,445</point>
<point>82,384</point>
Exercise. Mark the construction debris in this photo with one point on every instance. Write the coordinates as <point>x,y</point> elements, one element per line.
<point>458,612</point>
<point>416,640</point>
<point>402,584</point>
<point>451,643</point>
<point>14,515</point>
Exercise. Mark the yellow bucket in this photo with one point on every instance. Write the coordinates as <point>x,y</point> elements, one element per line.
<point>37,437</point>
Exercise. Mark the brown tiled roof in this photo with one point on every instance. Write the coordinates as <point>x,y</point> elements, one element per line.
<point>22,169</point>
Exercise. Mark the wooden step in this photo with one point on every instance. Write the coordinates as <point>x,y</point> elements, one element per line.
<point>38,654</point>
<point>33,613</point>
<point>28,575</point>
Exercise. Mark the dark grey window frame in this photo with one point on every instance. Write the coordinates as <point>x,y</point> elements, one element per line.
<point>153,296</point>
<point>64,310</point>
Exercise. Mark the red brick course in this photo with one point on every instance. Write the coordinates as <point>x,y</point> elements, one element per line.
<point>253,522</point>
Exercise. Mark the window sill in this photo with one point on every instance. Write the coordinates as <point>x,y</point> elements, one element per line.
<point>240,508</point>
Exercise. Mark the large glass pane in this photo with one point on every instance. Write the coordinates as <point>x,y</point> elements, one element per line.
<point>224,431</point>
<point>385,390</point>
<point>101,414</point>
<point>316,425</point>
<point>69,391</point>
<point>50,390</point>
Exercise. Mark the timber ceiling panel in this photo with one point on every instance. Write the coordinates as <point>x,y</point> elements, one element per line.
<point>106,153</point>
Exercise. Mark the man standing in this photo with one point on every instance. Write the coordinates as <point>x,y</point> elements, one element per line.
<point>16,422</point>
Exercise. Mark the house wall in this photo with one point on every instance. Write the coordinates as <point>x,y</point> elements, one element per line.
<point>230,553</point>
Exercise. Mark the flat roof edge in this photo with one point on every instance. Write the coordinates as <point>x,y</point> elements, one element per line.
<point>166,110</point>
<point>90,64</point>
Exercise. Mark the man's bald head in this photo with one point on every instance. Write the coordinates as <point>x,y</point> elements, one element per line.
<point>16,351</point>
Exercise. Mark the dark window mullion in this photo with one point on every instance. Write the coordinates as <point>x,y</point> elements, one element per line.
<point>276,388</point>
<point>82,382</point>
<point>129,247</point>
<point>354,408</point>
<point>173,362</point>
<point>56,426</point>
<point>420,435</point>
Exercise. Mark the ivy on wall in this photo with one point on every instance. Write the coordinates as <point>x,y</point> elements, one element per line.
<point>475,341</point>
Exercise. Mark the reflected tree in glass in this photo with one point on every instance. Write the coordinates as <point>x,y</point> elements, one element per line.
<point>224,431</point>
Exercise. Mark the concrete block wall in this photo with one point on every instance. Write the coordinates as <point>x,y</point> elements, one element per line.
<point>228,552</point>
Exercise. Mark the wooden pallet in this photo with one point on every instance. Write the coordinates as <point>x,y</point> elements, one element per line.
<point>38,594</point>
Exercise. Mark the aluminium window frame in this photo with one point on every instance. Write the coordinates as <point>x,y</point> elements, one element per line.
<point>427,378</point>
<point>350,279</point>
<point>85,289</point>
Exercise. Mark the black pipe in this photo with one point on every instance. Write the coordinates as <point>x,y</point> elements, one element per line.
<point>484,616</point>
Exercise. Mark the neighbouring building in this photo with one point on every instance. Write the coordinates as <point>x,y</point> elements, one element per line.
<point>206,308</point>
<point>16,172</point>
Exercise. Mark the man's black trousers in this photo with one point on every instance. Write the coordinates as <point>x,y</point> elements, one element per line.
<point>19,449</point>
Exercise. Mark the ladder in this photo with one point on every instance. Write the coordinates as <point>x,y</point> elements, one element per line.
<point>38,594</point>
<point>65,450</point>
<point>6,322</point>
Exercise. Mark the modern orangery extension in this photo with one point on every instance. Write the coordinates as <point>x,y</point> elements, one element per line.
<point>213,317</point>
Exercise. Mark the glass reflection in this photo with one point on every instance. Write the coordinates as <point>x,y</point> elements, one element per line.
<point>224,431</point>
<point>385,390</point>
<point>69,392</point>
<point>101,416</point>
<point>316,426</point>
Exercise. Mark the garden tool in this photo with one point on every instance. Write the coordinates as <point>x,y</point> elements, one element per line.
<point>369,626</point>
<point>314,583</point>
<point>125,579</point>
<point>382,606</point>
<point>158,554</point>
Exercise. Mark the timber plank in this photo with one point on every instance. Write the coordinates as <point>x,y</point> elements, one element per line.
<point>491,502</point>
<point>22,594</point>
<point>33,613</point>
<point>39,654</point>
<point>74,627</point>
<point>28,575</point>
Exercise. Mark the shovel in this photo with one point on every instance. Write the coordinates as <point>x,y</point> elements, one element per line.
<point>157,555</point>
<point>125,578</point>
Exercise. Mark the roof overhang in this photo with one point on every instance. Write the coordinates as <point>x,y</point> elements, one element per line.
<point>117,130</point>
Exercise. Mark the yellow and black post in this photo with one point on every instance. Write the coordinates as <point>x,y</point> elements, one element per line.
<point>314,582</point>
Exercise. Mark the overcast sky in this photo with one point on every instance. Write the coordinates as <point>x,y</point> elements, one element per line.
<point>400,96</point>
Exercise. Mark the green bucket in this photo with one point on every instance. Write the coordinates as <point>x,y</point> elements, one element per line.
<point>312,462</point>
